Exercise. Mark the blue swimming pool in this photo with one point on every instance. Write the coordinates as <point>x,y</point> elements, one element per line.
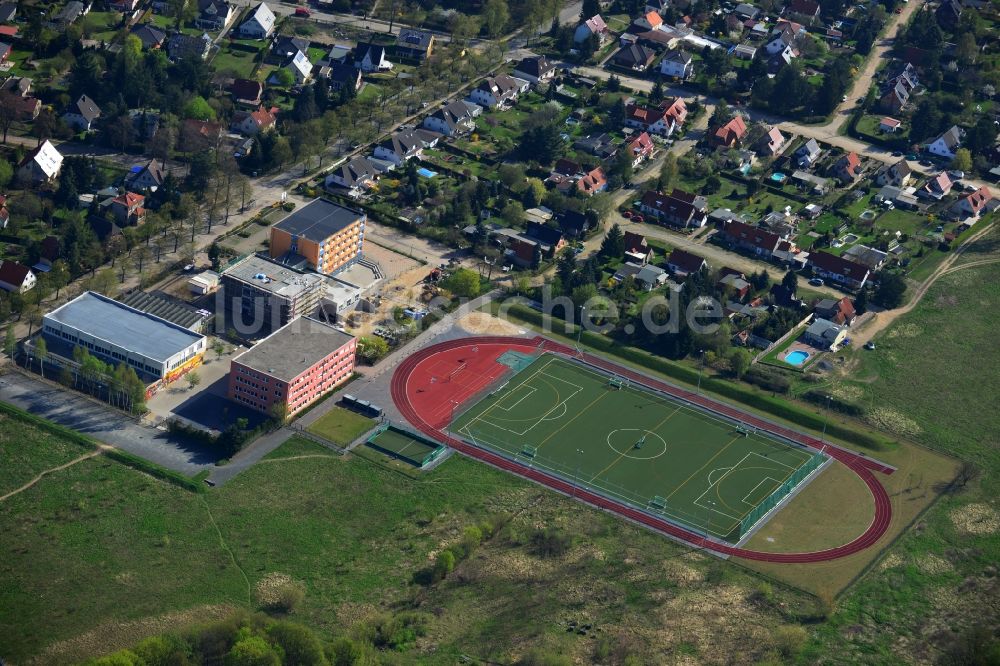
<point>426,173</point>
<point>797,357</point>
<point>778,177</point>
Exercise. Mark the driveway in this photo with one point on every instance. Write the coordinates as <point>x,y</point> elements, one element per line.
<point>72,410</point>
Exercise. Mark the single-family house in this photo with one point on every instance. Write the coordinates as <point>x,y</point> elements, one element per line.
<point>634,57</point>
<point>824,334</point>
<point>897,174</point>
<point>149,178</point>
<point>70,13</point>
<point>284,47</point>
<point>806,11</point>
<point>414,44</point>
<point>26,109</point>
<point>677,63</point>
<point>662,119</point>
<point>41,165</point>
<point>771,143</point>
<point>808,153</point>
<point>937,187</point>
<point>811,211</point>
<point>679,208</point>
<point>452,119</point>
<point>948,14</point>
<point>602,145</point>
<point>648,21</point>
<point>549,238</point>
<point>127,209</point>
<point>150,36</point>
<point>356,173</point>
<point>889,125</point>
<point>259,24</point>
<point>300,67</point>
<point>846,273</point>
<point>946,144</point>
<point>731,133</point>
<point>16,278</point>
<point>650,277</point>
<point>742,236</point>
<point>592,182</point>
<point>735,282</point>
<point>840,312</point>
<point>746,11</point>
<point>343,75</point>
<point>8,12</point>
<point>682,263</point>
<point>594,26</point>
<point>745,52</point>
<point>895,98</point>
<point>81,114</point>
<point>340,53</point>
<point>246,93</point>
<point>399,148</point>
<point>499,91</point>
<point>637,249</point>
<point>214,14</point>
<point>17,85</point>
<point>866,256</point>
<point>847,168</point>
<point>574,223</point>
<point>974,203</point>
<point>252,123</point>
<point>535,69</point>
<point>181,46</point>
<point>371,58</point>
<point>781,40</point>
<point>899,197</point>
<point>810,181</point>
<point>640,148</point>
<point>200,134</point>
<point>122,6</point>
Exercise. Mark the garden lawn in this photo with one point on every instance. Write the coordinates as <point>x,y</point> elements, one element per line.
<point>341,426</point>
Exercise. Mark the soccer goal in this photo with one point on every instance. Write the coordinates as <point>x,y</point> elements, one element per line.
<point>529,451</point>
<point>658,503</point>
<point>617,383</point>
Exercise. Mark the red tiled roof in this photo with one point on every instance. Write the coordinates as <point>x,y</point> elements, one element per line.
<point>978,199</point>
<point>838,265</point>
<point>889,122</point>
<point>129,199</point>
<point>635,242</point>
<point>262,118</point>
<point>752,235</point>
<point>685,261</point>
<point>246,89</point>
<point>592,182</point>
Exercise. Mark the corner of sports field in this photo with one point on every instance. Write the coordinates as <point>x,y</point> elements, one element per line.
<point>436,385</point>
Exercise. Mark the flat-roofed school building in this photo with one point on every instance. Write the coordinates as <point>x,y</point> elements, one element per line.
<point>116,333</point>
<point>293,367</point>
<point>328,237</point>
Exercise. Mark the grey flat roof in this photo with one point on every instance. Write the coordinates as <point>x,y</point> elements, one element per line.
<point>294,348</point>
<point>318,220</point>
<point>165,307</point>
<point>124,327</point>
<point>273,277</point>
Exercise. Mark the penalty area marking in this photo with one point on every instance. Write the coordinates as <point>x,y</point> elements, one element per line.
<point>641,433</point>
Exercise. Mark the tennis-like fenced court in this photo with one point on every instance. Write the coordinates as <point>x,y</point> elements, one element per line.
<point>633,444</point>
<point>405,446</point>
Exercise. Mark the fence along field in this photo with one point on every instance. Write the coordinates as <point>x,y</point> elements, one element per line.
<point>706,473</point>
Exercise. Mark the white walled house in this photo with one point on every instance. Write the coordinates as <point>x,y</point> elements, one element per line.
<point>678,64</point>
<point>371,58</point>
<point>259,25</point>
<point>946,144</point>
<point>42,165</point>
<point>82,114</point>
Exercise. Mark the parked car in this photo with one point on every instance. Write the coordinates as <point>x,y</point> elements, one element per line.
<point>638,218</point>
<point>816,282</point>
<point>628,215</point>
<point>869,345</point>
<point>958,175</point>
<point>303,12</point>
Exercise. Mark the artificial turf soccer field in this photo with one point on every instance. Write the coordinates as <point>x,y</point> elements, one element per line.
<point>635,445</point>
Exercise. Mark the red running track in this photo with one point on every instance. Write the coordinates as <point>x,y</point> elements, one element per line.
<point>432,382</point>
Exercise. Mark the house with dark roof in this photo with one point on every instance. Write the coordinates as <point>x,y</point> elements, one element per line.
<point>371,58</point>
<point>452,119</point>
<point>602,145</point>
<point>70,13</point>
<point>730,134</point>
<point>343,75</point>
<point>400,147</point>
<point>844,272</point>
<point>535,69</point>
<point>214,14</point>
<point>742,236</point>
<point>499,91</point>
<point>16,278</point>
<point>634,57</point>
<point>82,114</point>
<point>414,44</point>
<point>181,46</point>
<point>25,108</point>
<point>284,46</point>
<point>573,223</point>
<point>806,11</point>
<point>897,174</point>
<point>682,263</point>
<point>946,144</point>
<point>866,256</point>
<point>358,172</point>
<point>550,239</point>
<point>637,249</point>
<point>323,234</point>
<point>200,134</point>
<point>150,36</point>
<point>677,63</point>
<point>8,11</point>
<point>808,153</point>
<point>678,209</point>
<point>894,98</point>
<point>149,178</point>
<point>246,92</point>
<point>948,14</point>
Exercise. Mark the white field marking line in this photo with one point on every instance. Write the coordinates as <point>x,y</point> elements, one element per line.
<point>596,487</point>
<point>713,485</point>
<point>543,417</point>
<point>531,389</point>
<point>556,418</point>
<point>717,469</point>
<point>528,379</point>
<point>754,489</point>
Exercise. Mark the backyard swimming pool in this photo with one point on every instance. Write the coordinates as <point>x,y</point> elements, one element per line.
<point>797,357</point>
<point>778,177</point>
<point>426,173</point>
